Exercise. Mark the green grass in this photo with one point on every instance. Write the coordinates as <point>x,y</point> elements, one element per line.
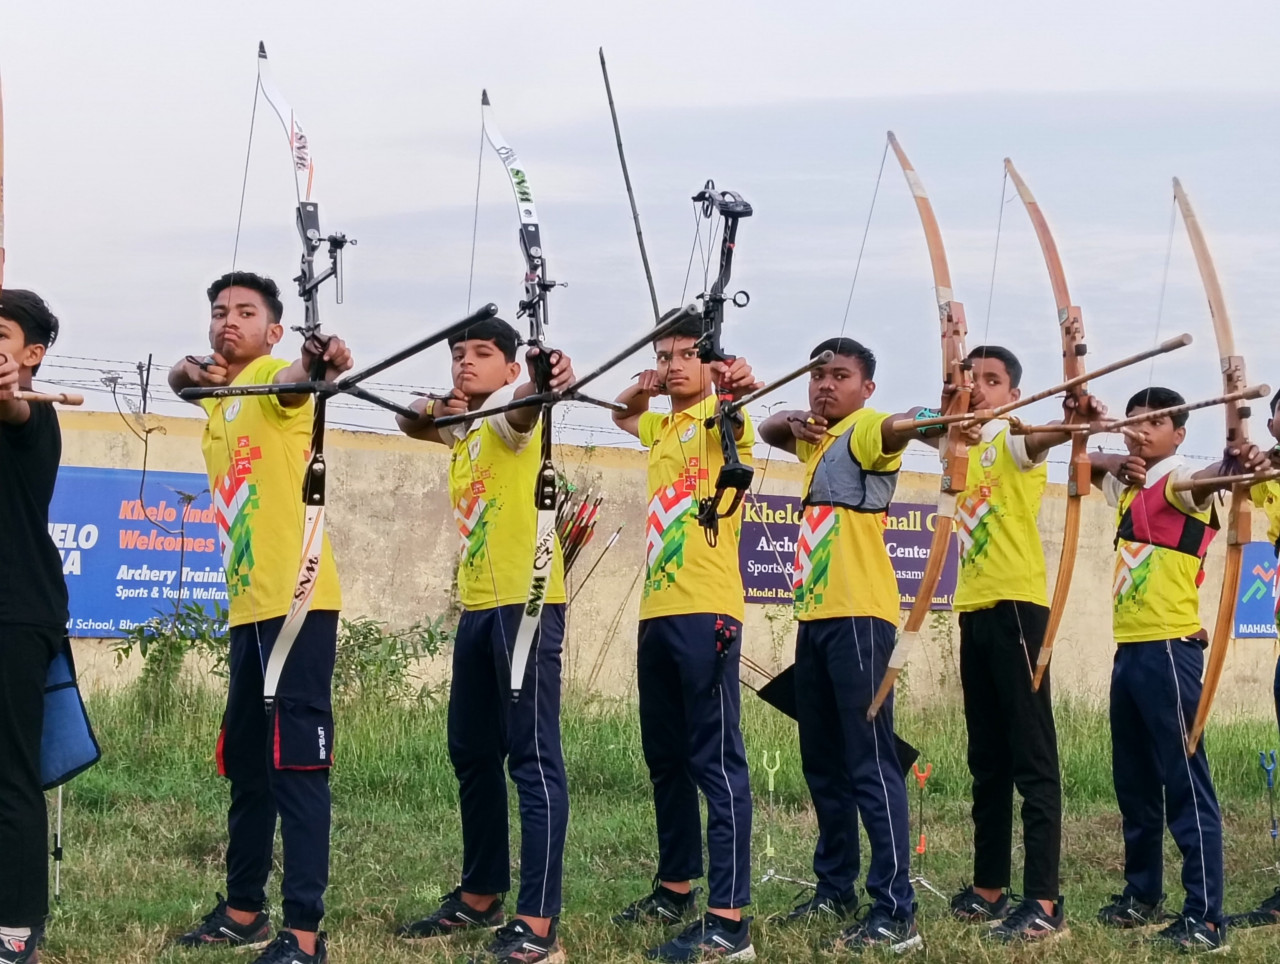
<point>145,833</point>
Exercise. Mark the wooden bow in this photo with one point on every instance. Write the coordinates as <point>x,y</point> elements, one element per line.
<point>1071,326</point>
<point>1239,522</point>
<point>956,374</point>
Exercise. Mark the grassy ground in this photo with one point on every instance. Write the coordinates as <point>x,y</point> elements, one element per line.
<point>145,834</point>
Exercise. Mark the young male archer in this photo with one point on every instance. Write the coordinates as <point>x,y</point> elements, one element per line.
<point>1001,596</point>
<point>256,449</point>
<point>689,648</point>
<point>1164,524</point>
<point>847,603</point>
<point>33,617</point>
<point>492,475</point>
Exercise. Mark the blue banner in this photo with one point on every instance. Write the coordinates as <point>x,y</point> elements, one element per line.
<point>129,555</point>
<point>1256,595</point>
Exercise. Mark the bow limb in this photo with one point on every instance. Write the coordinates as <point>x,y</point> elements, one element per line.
<point>1071,326</point>
<point>955,455</point>
<point>1239,515</point>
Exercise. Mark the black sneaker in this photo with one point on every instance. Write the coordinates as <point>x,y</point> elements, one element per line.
<point>452,917</point>
<point>972,907</point>
<point>20,950</point>
<point>217,929</point>
<point>1267,913</point>
<point>1191,935</point>
<point>711,937</point>
<point>1028,923</point>
<point>1129,912</point>
<point>663,906</point>
<point>516,943</point>
<point>881,932</point>
<point>819,908</point>
<point>285,950</point>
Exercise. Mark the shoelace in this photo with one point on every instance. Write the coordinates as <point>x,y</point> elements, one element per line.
<point>1023,914</point>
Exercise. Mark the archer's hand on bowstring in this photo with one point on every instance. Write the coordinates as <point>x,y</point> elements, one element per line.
<point>1129,469</point>
<point>429,409</point>
<point>199,371</point>
<point>12,411</point>
<point>635,398</point>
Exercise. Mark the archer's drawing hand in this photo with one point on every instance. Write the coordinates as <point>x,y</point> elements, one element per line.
<point>208,371</point>
<point>649,383</point>
<point>812,428</point>
<point>735,377</point>
<point>332,350</point>
<point>1132,471</point>
<point>9,371</point>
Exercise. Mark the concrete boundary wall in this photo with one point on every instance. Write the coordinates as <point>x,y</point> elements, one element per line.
<point>395,542</point>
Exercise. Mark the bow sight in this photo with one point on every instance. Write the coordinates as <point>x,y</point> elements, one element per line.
<point>308,281</point>
<point>735,475</point>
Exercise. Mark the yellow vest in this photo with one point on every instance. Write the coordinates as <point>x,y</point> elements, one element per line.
<point>842,567</point>
<point>256,452</point>
<point>683,574</point>
<point>1000,553</point>
<point>491,487</point>
<point>1266,496</point>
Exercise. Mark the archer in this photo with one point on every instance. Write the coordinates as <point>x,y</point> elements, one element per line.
<point>1165,520</point>
<point>496,463</point>
<point>846,601</point>
<point>689,646</point>
<point>1001,596</point>
<point>278,758</point>
<point>33,617</point>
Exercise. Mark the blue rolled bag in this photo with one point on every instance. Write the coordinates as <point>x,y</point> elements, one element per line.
<point>67,745</point>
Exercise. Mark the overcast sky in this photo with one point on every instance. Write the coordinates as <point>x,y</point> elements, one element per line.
<point>127,123</point>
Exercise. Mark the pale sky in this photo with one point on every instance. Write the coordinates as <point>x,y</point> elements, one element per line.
<point>126,128</point>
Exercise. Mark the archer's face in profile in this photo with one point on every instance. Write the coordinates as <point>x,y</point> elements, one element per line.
<point>241,326</point>
<point>680,370</point>
<point>480,368</point>
<point>1155,439</point>
<point>839,389</point>
<point>991,377</point>
<point>13,345</point>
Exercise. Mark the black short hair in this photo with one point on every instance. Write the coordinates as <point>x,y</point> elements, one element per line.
<point>1157,398</point>
<point>264,286</point>
<point>691,327</point>
<point>506,338</point>
<point>1005,357</point>
<point>849,348</point>
<point>28,311</point>
<point>1275,400</point>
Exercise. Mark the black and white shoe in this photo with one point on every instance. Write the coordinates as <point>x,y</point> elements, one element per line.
<point>819,909</point>
<point>1191,935</point>
<point>711,937</point>
<point>285,950</point>
<point>453,916</point>
<point>880,931</point>
<point>1129,912</point>
<point>217,929</point>
<point>516,943</point>
<point>1028,923</point>
<point>972,907</point>
<point>20,950</point>
<point>1266,914</point>
<point>663,906</point>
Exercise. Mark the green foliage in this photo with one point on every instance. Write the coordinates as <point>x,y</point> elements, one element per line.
<point>163,642</point>
<point>375,661</point>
